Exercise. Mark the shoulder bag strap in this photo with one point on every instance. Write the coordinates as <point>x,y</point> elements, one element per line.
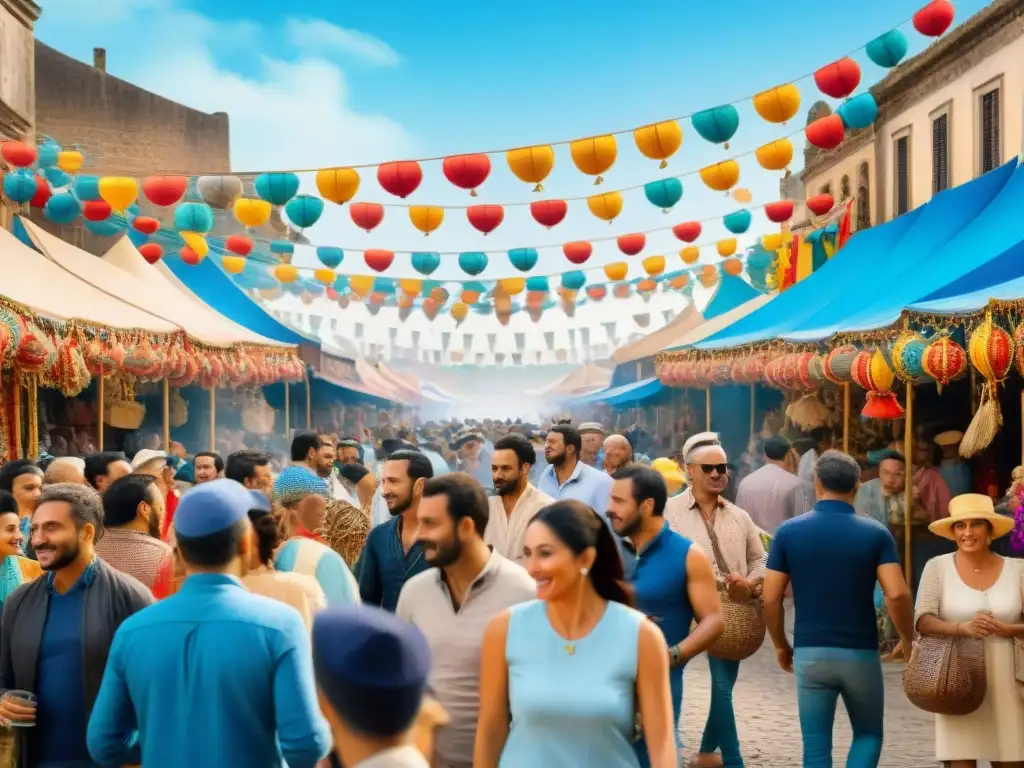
<point>722,567</point>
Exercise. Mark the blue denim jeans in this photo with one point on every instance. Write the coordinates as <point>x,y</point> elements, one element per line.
<point>720,729</point>
<point>822,676</point>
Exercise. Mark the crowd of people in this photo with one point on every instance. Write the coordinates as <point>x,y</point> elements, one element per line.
<point>479,596</point>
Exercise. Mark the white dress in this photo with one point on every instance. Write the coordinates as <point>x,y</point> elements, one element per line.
<point>995,731</point>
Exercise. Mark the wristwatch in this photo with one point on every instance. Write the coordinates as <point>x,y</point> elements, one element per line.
<point>675,656</point>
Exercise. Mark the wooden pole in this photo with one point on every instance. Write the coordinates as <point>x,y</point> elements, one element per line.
<point>753,408</point>
<point>213,418</point>
<point>99,412</point>
<point>908,498</point>
<point>167,416</point>
<point>846,417</point>
<point>309,404</point>
<point>287,410</point>
<point>707,409</point>
<point>33,404</point>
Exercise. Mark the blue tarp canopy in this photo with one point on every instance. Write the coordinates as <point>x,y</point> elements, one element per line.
<point>731,292</point>
<point>974,301</point>
<point>623,395</point>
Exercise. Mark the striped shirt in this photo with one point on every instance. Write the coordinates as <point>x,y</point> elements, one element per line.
<point>771,496</point>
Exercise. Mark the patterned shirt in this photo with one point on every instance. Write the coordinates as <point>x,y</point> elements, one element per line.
<point>771,496</point>
<point>738,538</point>
<point>138,554</point>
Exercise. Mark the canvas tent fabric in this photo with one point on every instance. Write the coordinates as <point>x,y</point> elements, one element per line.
<point>377,383</point>
<point>589,377</point>
<point>731,292</point>
<point>623,395</point>
<point>652,343</point>
<point>711,327</point>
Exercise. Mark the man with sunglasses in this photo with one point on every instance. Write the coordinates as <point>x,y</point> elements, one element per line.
<point>726,533</point>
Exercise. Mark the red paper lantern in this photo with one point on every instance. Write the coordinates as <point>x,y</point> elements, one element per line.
<point>96,210</point>
<point>400,179</point>
<point>779,211</point>
<point>152,252</point>
<point>366,215</point>
<point>944,360</point>
<point>688,231</point>
<point>164,190</point>
<point>43,193</point>
<point>430,307</point>
<point>935,18</point>
<point>189,256</point>
<point>18,153</point>
<point>332,294</point>
<point>548,213</point>
<point>147,225</point>
<point>632,244</point>
<point>485,218</point>
<point>378,259</point>
<point>838,79</point>
<point>467,171</point>
<point>578,251</point>
<point>239,244</point>
<point>819,205</point>
<point>826,132</point>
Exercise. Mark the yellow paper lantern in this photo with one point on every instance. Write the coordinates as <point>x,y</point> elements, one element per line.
<point>742,195</point>
<point>778,104</point>
<point>595,155</point>
<point>119,191</point>
<point>252,213</point>
<point>654,265</point>
<point>531,164</point>
<point>775,155</point>
<point>339,185</point>
<point>233,265</point>
<point>513,286</point>
<point>459,311</point>
<point>690,254</point>
<point>196,242</point>
<point>70,161</point>
<point>771,242</point>
<point>722,176</point>
<point>410,286</point>
<point>286,273</point>
<point>607,206</point>
<point>324,276</point>
<point>659,141</point>
<point>361,285</point>
<point>404,301</point>
<point>426,218</point>
<point>732,267</point>
<point>726,247</point>
<point>616,270</point>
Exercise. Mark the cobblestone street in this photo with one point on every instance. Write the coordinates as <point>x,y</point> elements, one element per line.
<point>765,699</point>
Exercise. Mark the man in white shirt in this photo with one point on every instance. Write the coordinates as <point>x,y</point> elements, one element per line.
<point>822,437</point>
<point>516,500</point>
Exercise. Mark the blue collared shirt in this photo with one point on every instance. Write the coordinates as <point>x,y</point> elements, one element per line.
<point>586,484</point>
<point>213,675</point>
<point>384,566</point>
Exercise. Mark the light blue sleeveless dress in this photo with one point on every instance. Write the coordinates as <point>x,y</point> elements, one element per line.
<point>571,710</point>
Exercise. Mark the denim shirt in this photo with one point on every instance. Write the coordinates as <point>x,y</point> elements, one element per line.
<point>384,566</point>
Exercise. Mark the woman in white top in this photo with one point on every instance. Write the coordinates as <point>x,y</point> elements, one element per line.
<point>974,592</point>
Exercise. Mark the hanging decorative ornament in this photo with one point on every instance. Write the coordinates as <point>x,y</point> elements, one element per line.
<point>400,178</point>
<point>339,185</point>
<point>654,265</point>
<point>659,141</point>
<point>838,79</point>
<point>189,256</point>
<point>18,154</point>
<point>871,372</point>
<point>470,295</point>
<point>771,242</point>
<point>826,132</point>
<point>548,213</point>
<point>92,210</point>
<point>459,311</point>
<point>664,193</point>
<point>193,217</point>
<point>304,211</point>
<point>688,231</point>
<point>426,218</point>
<point>991,350</point>
<point>323,275</point>
<point>425,262</point>
<point>605,206</point>
<point>596,292</point>
<point>239,245</point>
<point>594,156</point>
<point>722,176</point>
<point>531,164</point>
<point>538,284</point>
<point>467,171</point>
<point>775,155</point>
<point>42,194</point>
<point>361,285</point>
<point>908,356</point>
<point>283,250</point>
<point>887,50</point>
<point>631,244</point>
<point>378,259</point>
<point>726,247</point>
<point>718,124</point>
<point>779,211</point>
<point>737,222</point>
<point>733,267</point>
<point>233,265</point>
<point>690,254</point>
<point>252,213</point>
<point>119,191</point>
<point>220,192</point>
<point>574,280</point>
<point>819,205</point>
<point>838,364</point>
<point>330,257</point>
<point>944,360</point>
<point>473,262</point>
<point>578,251</point>
<point>276,188</point>
<point>147,225</point>
<point>859,111</point>
<point>523,259</point>
<point>196,242</point>
<point>778,104</point>
<point>366,215</point>
<point>616,271</point>
<point>87,188</point>
<point>164,190</point>
<point>935,18</point>
<point>709,276</point>
<point>439,294</point>
<point>151,252</point>
<point>485,218</point>
<point>63,208</point>
<point>679,281</point>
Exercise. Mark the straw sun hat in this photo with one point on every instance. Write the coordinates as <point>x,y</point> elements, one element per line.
<point>972,506</point>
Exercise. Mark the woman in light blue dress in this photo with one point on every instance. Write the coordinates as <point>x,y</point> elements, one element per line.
<point>563,676</point>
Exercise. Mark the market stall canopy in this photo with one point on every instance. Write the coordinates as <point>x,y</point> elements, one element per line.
<point>664,337</point>
<point>195,317</point>
<point>716,324</point>
<point>587,378</point>
<point>377,383</point>
<point>410,390</point>
<point>974,301</point>
<point>51,290</point>
<point>621,396</point>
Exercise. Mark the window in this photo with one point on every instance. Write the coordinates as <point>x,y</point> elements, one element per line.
<point>940,153</point>
<point>827,189</point>
<point>863,198</point>
<point>902,174</point>
<point>844,188</point>
<point>989,141</point>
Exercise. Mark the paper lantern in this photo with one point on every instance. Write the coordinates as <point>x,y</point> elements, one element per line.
<point>276,188</point>
<point>523,259</point>
<point>578,251</point>
<point>220,192</point>
<point>18,154</point>
<point>775,155</point>
<point>430,308</point>
<point>838,364</point>
<point>871,372</point>
<point>622,290</point>
<point>42,194</point>
<point>324,275</point>
<point>339,185</point>
<point>531,164</point>
<point>233,265</point>
<point>119,191</point>
<point>654,265</point>
<point>147,225</point>
<point>732,267</point>
<point>548,213</point>
<point>722,176</point>
<point>631,244</point>
<point>252,213</point>
<point>92,210</point>
<point>87,188</point>
<point>469,296</point>
<point>771,242</point>
<point>594,156</point>
<point>366,215</point>
<point>193,217</point>
<point>467,171</point>
<point>239,244</point>
<point>378,259</point>
<point>646,287</point>
<point>778,104</point>
<point>282,249</point>
<point>485,218</point>
<point>190,257</point>
<point>574,280</point>
<point>47,150</point>
<point>826,132</point>
<point>426,218</point>
<point>70,160</point>
<point>513,286</point>
<point>439,294</point>
<point>63,208</point>
<point>907,356</point>
<point>935,18</point>
<point>401,178</point>
<point>459,311</point>
<point>596,292</point>
<point>819,205</point>
<point>718,124</point>
<point>473,262</point>
<point>605,206</point>
<point>663,193</point>
<point>709,276</point>
<point>151,252</point>
<point>679,282</point>
<point>991,351</point>
<point>659,141</point>
<point>690,254</point>
<point>726,247</point>
<point>164,190</point>
<point>779,211</point>
<point>858,112</point>
<point>304,211</point>
<point>196,242</point>
<point>838,79</point>
<point>425,262</point>
<point>737,222</point>
<point>329,256</point>
<point>361,285</point>
<point>944,360</point>
<point>616,270</point>
<point>887,50</point>
<point>688,231</point>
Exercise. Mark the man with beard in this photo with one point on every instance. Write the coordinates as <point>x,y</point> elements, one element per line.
<point>157,464</point>
<point>672,577</point>
<point>568,477</point>
<point>471,458</point>
<point>453,603</point>
<point>617,453</point>
<point>133,509</point>
<point>393,554</point>
<point>517,501</point>
<point>316,453</point>
<point>57,630</point>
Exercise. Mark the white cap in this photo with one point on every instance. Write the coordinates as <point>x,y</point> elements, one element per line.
<point>145,456</point>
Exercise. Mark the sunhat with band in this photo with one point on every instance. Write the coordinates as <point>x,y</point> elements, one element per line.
<point>971,506</point>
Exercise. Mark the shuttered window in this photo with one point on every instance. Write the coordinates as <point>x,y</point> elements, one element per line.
<point>902,175</point>
<point>991,148</point>
<point>940,153</point>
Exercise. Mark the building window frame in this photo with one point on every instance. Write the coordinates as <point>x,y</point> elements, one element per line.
<point>904,134</point>
<point>944,111</point>
<point>993,85</point>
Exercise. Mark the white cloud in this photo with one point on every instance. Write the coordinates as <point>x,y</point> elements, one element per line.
<point>326,38</point>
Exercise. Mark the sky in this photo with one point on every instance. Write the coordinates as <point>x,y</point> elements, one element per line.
<point>320,83</point>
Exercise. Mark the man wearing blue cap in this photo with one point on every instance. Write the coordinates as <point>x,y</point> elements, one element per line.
<point>214,675</point>
<point>371,671</point>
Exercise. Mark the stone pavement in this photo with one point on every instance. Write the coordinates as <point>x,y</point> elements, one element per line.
<point>766,717</point>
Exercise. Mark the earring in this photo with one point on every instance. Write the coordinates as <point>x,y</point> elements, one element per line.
<point>584,571</point>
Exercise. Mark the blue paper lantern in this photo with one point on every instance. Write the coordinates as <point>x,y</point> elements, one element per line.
<point>887,50</point>
<point>473,262</point>
<point>20,186</point>
<point>664,193</point>
<point>718,124</point>
<point>329,256</point>
<point>340,283</point>
<point>385,285</point>
<point>482,308</point>
<point>523,259</point>
<point>574,281</point>
<point>538,284</point>
<point>87,188</point>
<point>62,208</point>
<point>105,228</point>
<point>737,222</point>
<point>282,248</point>
<point>859,112</point>
<point>193,217</point>
<point>759,259</point>
<point>304,210</point>
<point>276,188</point>
<point>425,262</point>
<point>49,153</point>
<point>57,178</point>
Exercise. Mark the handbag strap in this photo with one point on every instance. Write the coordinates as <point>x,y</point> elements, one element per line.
<point>722,567</point>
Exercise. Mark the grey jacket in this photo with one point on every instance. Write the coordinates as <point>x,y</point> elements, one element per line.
<point>110,598</point>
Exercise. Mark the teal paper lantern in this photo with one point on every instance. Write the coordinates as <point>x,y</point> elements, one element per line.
<point>473,262</point>
<point>329,256</point>
<point>137,238</point>
<point>304,210</point>
<point>574,281</point>
<point>62,208</point>
<point>193,217</point>
<point>737,222</point>
<point>425,262</point>
<point>341,283</point>
<point>523,259</point>
<point>887,50</point>
<point>718,124</point>
<point>859,112</point>
<point>20,186</point>
<point>537,284</point>
<point>282,248</point>
<point>49,153</point>
<point>57,178</point>
<point>664,193</point>
<point>482,308</point>
<point>276,188</point>
<point>385,285</point>
<point>87,188</point>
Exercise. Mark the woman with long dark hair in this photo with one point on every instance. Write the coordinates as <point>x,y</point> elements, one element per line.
<point>564,677</point>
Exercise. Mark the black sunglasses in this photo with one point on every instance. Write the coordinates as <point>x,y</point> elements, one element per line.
<point>707,469</point>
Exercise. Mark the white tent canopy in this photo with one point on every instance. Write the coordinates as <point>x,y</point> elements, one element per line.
<point>667,336</point>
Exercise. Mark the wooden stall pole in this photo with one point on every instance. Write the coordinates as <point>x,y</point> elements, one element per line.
<point>846,417</point>
<point>309,404</point>
<point>753,408</point>
<point>99,412</point>
<point>707,409</point>
<point>287,410</point>
<point>33,416</point>
<point>213,418</point>
<point>908,491</point>
<point>167,416</point>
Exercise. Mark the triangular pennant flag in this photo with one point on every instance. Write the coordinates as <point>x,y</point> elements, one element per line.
<point>540,355</point>
<point>517,358</point>
<point>480,357</point>
<point>642,320</point>
<point>437,357</point>
<point>393,333</point>
<point>520,342</point>
<point>609,328</point>
<point>467,342</point>
<point>416,339</point>
<point>572,338</point>
<point>549,340</point>
<point>667,314</point>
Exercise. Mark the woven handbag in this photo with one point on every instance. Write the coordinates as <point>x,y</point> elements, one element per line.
<point>946,675</point>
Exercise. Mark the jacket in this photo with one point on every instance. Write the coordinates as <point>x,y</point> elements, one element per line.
<point>110,598</point>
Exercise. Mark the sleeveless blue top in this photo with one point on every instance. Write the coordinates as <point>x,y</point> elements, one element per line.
<point>571,710</point>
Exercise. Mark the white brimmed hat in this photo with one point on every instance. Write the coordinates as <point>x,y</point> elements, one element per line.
<point>972,506</point>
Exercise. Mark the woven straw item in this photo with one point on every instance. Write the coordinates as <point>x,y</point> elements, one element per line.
<point>946,675</point>
<point>124,414</point>
<point>744,628</point>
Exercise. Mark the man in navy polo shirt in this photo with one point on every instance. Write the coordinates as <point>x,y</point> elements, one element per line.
<point>833,557</point>
<point>671,575</point>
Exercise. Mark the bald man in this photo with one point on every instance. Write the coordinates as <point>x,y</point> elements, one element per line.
<point>617,453</point>
<point>65,469</point>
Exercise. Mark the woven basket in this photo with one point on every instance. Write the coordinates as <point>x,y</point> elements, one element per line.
<point>946,675</point>
<point>178,410</point>
<point>744,628</point>
<point>124,414</point>
<point>8,748</point>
